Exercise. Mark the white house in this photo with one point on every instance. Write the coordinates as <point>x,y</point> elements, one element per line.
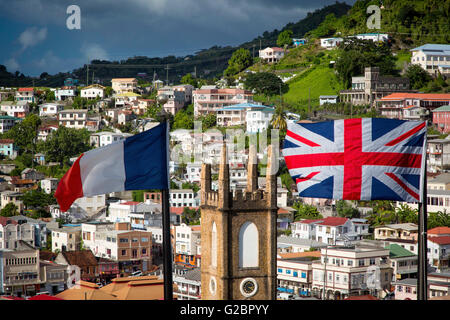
<point>50,109</point>
<point>332,99</point>
<point>193,170</point>
<point>93,91</point>
<point>271,54</point>
<point>439,252</point>
<point>18,109</point>
<point>432,57</point>
<point>187,240</point>
<point>65,93</point>
<point>182,198</point>
<point>75,118</point>
<point>375,37</point>
<point>101,139</point>
<point>49,185</point>
<point>330,43</point>
<point>258,118</point>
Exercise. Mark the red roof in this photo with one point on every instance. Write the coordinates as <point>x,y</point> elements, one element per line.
<point>308,221</point>
<point>11,298</point>
<point>6,141</point>
<point>6,220</point>
<point>422,96</point>
<point>440,240</point>
<point>25,89</point>
<point>44,297</point>
<point>365,297</point>
<point>179,210</point>
<point>439,230</point>
<point>130,203</point>
<point>333,221</point>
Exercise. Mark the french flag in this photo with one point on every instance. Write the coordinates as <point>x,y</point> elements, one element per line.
<point>136,163</point>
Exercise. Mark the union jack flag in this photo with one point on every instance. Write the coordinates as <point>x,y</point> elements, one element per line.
<point>357,159</point>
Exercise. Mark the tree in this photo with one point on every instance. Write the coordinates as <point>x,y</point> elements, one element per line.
<point>240,60</point>
<point>183,120</point>
<point>344,209</point>
<point>284,39</point>
<point>189,79</point>
<point>65,143</point>
<point>265,83</point>
<point>49,96</point>
<point>25,132</point>
<point>306,211</point>
<point>279,119</point>
<point>418,78</point>
<point>208,121</point>
<point>355,55</point>
<point>108,91</point>
<point>9,210</point>
<point>191,216</point>
<point>35,199</point>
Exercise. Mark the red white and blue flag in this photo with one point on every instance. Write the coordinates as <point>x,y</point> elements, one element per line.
<point>357,159</point>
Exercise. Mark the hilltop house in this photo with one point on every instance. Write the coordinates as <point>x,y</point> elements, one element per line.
<point>25,94</point>
<point>271,54</point>
<point>433,58</point>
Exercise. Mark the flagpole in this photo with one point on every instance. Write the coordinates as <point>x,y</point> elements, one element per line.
<point>167,248</point>
<point>422,292</point>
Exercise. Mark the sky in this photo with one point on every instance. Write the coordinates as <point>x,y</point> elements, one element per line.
<point>36,37</point>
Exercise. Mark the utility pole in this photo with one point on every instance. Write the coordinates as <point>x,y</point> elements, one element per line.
<point>167,74</point>
<point>309,101</point>
<point>195,71</point>
<point>253,51</point>
<point>87,75</point>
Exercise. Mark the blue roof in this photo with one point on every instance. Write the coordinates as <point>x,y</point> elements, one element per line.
<point>433,47</point>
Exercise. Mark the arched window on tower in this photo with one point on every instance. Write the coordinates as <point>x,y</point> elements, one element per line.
<point>214,245</point>
<point>248,245</point>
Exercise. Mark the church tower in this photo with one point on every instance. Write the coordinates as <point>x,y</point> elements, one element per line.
<point>239,234</point>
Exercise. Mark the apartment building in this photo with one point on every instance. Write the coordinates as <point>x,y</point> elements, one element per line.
<point>258,119</point>
<point>74,118</point>
<point>9,196</point>
<point>351,270</point>
<point>20,273</point>
<point>439,252</point>
<point>66,239</point>
<point>188,285</point>
<point>8,149</point>
<point>208,100</point>
<point>294,272</point>
<point>131,248</point>
<point>44,132</point>
<point>187,245</point>
<point>403,262</point>
<point>126,99</point>
<point>287,244</point>
<point>49,185</point>
<point>404,231</point>
<point>182,198</point>
<point>393,104</point>
<point>330,43</point>
<point>25,94</point>
<point>7,122</point>
<point>330,230</point>
<point>122,85</point>
<point>175,99</point>
<point>441,118</point>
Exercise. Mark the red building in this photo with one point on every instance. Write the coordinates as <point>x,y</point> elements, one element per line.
<point>441,118</point>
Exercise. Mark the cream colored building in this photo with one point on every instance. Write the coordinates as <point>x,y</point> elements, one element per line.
<point>66,239</point>
<point>12,196</point>
<point>93,91</point>
<point>433,58</point>
<point>72,118</point>
<point>403,231</point>
<point>21,271</point>
<point>122,85</point>
<point>345,271</point>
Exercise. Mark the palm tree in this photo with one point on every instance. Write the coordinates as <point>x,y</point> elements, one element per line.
<point>279,119</point>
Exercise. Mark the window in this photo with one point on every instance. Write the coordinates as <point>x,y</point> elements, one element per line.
<point>350,263</point>
<point>295,274</point>
<point>144,239</point>
<point>361,262</point>
<point>303,274</point>
<point>372,261</point>
<point>288,271</point>
<point>280,270</point>
<point>124,252</point>
<point>123,240</point>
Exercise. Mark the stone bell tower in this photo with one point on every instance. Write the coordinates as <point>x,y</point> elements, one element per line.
<point>239,234</point>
